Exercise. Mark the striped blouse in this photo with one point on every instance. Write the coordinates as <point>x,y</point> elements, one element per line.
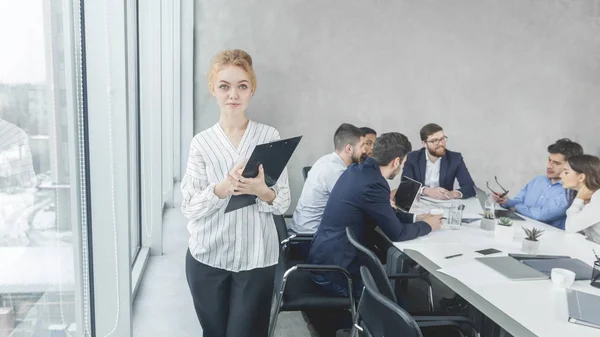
<point>243,239</point>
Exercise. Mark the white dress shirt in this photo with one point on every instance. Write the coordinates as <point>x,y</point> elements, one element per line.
<point>318,185</point>
<point>243,239</point>
<point>586,218</point>
<point>432,172</point>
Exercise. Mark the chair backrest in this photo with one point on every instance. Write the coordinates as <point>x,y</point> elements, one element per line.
<point>281,227</point>
<point>368,259</point>
<point>305,170</point>
<point>382,317</point>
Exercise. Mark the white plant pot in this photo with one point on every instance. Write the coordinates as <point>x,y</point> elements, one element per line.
<point>504,233</point>
<point>488,224</point>
<point>530,247</point>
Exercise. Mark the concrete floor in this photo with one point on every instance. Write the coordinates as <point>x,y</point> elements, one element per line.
<point>163,306</point>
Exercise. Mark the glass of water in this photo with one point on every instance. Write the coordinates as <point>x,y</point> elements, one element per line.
<point>455,215</point>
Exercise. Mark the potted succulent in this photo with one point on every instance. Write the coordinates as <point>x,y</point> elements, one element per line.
<point>531,244</point>
<point>488,222</point>
<point>504,229</point>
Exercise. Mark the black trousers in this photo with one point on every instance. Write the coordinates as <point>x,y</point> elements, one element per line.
<point>231,304</point>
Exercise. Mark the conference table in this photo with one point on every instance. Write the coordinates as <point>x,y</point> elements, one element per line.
<point>521,308</point>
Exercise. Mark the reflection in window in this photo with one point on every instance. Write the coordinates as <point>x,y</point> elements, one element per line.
<point>36,237</point>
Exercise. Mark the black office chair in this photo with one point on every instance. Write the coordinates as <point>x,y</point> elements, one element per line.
<point>295,289</point>
<point>368,260</point>
<point>287,241</point>
<point>305,170</point>
<point>379,316</point>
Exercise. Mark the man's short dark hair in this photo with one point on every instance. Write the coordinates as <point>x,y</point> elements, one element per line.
<point>346,134</point>
<point>368,131</point>
<point>566,147</point>
<point>429,130</point>
<point>390,146</point>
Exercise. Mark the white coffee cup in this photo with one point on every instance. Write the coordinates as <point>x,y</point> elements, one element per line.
<point>436,211</point>
<point>562,278</point>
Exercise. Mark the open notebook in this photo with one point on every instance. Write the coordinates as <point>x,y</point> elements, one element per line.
<point>584,308</point>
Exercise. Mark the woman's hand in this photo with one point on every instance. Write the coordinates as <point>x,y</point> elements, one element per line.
<point>254,186</point>
<point>584,193</point>
<point>226,186</point>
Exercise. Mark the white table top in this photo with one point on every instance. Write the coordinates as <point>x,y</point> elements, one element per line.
<point>535,308</point>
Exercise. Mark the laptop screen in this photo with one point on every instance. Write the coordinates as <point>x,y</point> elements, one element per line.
<point>407,193</point>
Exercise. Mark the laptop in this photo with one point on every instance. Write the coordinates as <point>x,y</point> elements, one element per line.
<point>502,213</point>
<point>407,193</point>
<point>582,270</point>
<point>524,257</point>
<point>512,269</point>
<point>583,308</point>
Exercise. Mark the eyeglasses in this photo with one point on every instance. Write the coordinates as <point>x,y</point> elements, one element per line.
<point>496,193</point>
<point>436,140</point>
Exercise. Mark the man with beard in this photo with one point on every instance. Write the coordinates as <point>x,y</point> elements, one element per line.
<point>544,198</point>
<point>437,168</point>
<point>360,200</point>
<point>370,137</point>
<point>349,148</point>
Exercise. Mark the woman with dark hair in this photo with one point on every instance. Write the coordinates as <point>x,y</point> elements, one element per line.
<point>582,174</point>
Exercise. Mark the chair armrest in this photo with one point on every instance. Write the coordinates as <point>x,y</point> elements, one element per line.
<point>429,324</point>
<point>410,276</point>
<point>322,267</point>
<point>454,319</point>
<point>304,235</point>
<point>297,238</point>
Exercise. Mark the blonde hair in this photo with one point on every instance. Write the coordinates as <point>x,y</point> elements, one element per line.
<point>236,57</point>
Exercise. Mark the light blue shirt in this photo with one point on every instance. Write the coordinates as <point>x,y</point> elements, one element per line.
<point>318,185</point>
<point>542,200</point>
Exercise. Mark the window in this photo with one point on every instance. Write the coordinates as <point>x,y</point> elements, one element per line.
<point>42,254</point>
<point>134,136</point>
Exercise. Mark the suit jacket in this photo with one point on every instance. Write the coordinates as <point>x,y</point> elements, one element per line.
<point>360,200</point>
<point>452,167</point>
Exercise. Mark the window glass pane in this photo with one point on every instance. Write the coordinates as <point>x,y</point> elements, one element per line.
<point>37,240</point>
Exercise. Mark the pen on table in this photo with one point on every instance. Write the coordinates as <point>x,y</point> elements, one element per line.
<point>451,256</point>
<point>446,195</point>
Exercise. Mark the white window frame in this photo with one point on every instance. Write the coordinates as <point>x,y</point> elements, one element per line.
<point>107,111</point>
<point>79,207</point>
<point>186,120</point>
<point>150,56</point>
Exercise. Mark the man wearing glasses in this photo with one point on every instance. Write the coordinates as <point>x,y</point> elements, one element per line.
<point>437,168</point>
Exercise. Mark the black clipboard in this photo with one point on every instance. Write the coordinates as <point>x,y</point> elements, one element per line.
<point>274,156</point>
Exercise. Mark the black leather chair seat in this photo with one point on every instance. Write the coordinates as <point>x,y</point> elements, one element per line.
<point>301,293</point>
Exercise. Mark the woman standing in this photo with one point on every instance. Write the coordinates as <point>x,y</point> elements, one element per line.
<point>230,263</point>
<point>582,173</point>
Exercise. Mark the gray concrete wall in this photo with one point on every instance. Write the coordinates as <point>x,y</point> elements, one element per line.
<point>504,77</point>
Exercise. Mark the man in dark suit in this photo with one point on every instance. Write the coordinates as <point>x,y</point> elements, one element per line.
<point>361,200</point>
<point>437,168</point>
